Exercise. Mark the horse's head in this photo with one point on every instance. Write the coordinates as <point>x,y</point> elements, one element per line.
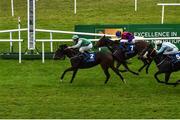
<point>148,53</point>
<point>103,41</point>
<point>60,52</point>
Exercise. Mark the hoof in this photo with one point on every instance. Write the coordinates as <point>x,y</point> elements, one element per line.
<point>123,70</point>
<point>124,81</point>
<point>61,80</point>
<point>177,83</point>
<point>136,73</point>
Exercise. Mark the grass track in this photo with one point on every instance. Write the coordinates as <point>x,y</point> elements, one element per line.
<point>33,90</point>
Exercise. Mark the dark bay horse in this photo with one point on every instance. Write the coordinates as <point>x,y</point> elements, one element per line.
<point>102,57</point>
<point>139,47</point>
<point>164,65</point>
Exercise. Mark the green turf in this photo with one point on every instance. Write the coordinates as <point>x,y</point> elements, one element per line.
<point>33,90</point>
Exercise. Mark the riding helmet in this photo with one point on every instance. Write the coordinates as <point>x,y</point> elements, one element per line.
<point>75,37</point>
<point>118,34</point>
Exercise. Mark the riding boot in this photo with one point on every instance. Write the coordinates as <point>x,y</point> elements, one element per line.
<point>86,56</point>
<point>164,56</point>
<point>80,55</point>
<point>123,49</point>
<point>125,54</point>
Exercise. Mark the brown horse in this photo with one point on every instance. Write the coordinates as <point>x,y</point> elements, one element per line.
<point>164,65</point>
<point>102,57</point>
<point>138,48</point>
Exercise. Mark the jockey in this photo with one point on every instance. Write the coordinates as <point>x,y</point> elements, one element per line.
<point>167,48</point>
<point>126,38</point>
<point>83,44</point>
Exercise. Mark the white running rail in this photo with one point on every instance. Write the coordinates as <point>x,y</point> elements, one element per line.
<point>15,40</point>
<point>68,32</point>
<point>11,34</point>
<point>67,40</point>
<point>11,40</point>
<point>163,6</point>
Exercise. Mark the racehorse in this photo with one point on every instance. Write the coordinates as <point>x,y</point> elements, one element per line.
<point>164,65</point>
<point>102,57</point>
<point>114,46</point>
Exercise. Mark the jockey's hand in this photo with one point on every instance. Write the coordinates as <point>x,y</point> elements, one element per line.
<point>69,47</point>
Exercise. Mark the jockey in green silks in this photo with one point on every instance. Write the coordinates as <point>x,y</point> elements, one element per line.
<point>83,44</point>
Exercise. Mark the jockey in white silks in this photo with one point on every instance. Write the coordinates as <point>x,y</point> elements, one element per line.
<point>167,48</point>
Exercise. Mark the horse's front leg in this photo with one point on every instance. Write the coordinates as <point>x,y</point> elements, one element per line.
<point>177,82</point>
<point>117,72</point>
<point>118,65</point>
<point>69,69</point>
<point>147,68</point>
<point>140,69</point>
<point>156,74</point>
<point>125,65</point>
<point>167,76</point>
<point>144,65</point>
<point>74,74</point>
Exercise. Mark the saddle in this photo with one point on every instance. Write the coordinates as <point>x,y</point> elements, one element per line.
<point>128,48</point>
<point>175,58</point>
<point>87,57</point>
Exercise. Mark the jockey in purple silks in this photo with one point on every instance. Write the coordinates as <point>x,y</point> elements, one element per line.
<point>126,38</point>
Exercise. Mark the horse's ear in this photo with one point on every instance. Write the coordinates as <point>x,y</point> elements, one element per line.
<point>65,45</point>
<point>102,37</point>
<point>62,46</point>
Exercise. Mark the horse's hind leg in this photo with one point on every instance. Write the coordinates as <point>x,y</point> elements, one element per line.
<point>167,76</point>
<point>107,75</point>
<point>74,74</point>
<point>125,65</point>
<point>117,72</point>
<point>106,72</point>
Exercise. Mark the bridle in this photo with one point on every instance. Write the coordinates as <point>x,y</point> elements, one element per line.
<point>154,50</point>
<point>152,53</point>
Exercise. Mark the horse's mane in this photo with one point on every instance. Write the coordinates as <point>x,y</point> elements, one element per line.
<point>63,46</point>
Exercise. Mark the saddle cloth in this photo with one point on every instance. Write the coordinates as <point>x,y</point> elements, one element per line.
<point>129,47</point>
<point>175,57</point>
<point>88,57</point>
